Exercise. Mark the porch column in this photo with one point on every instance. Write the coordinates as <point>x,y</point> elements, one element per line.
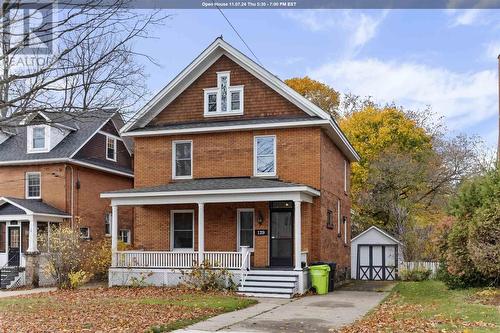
<point>114,228</point>
<point>32,237</point>
<point>297,237</point>
<point>201,231</point>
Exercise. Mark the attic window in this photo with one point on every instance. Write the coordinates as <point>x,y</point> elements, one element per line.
<point>38,139</point>
<point>224,100</point>
<point>110,148</point>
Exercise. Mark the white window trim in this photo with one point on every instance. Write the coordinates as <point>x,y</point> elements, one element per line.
<point>345,230</point>
<point>108,137</point>
<point>230,89</point>
<point>30,148</point>
<point>107,217</point>
<point>238,227</point>
<point>339,218</point>
<point>128,235</point>
<point>263,174</point>
<point>88,232</point>
<point>174,148</point>
<point>172,212</point>
<point>27,184</point>
<point>345,176</point>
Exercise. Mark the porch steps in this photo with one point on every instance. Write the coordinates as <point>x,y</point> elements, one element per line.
<point>7,276</point>
<point>277,284</point>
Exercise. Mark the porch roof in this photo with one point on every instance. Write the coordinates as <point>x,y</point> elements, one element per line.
<point>214,190</point>
<point>17,206</point>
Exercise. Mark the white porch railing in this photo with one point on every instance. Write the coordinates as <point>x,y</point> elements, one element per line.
<point>154,259</point>
<point>175,259</point>
<point>231,260</point>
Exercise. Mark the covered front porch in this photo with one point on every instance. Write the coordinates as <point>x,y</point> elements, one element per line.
<point>241,224</point>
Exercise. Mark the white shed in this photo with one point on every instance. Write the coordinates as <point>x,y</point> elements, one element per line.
<point>373,255</point>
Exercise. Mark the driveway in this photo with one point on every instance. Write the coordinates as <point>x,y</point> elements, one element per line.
<point>306,314</point>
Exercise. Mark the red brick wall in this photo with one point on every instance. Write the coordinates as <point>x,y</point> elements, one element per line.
<point>230,155</point>
<point>259,99</point>
<point>332,247</point>
<point>152,228</point>
<point>56,191</point>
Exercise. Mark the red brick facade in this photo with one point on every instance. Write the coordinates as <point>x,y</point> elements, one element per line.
<point>56,191</point>
<point>304,155</point>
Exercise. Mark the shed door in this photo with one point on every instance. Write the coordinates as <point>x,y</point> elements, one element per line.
<point>377,262</point>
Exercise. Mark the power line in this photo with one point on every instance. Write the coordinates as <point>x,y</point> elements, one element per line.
<point>237,33</point>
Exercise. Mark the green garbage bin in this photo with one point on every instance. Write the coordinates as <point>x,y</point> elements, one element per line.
<point>319,278</point>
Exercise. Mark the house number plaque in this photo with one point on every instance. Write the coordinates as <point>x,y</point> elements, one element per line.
<point>260,232</point>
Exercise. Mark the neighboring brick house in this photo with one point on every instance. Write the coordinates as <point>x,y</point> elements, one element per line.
<point>234,167</point>
<point>52,169</point>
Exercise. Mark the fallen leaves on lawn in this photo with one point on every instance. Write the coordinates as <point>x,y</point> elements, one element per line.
<point>394,316</point>
<point>100,310</point>
<point>488,296</point>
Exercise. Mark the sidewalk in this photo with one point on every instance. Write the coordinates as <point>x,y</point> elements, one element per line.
<point>13,293</point>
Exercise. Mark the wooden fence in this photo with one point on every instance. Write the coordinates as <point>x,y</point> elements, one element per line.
<point>411,265</point>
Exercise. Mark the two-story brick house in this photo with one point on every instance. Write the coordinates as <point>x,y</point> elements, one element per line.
<point>235,167</point>
<point>53,168</point>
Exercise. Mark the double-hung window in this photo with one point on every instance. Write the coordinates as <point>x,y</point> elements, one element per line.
<point>38,139</point>
<point>265,155</point>
<point>111,148</point>
<point>33,185</point>
<point>223,100</point>
<point>107,224</point>
<point>124,236</point>
<point>246,227</point>
<point>182,229</point>
<point>182,159</point>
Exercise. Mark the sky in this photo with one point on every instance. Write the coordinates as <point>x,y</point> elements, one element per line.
<point>445,59</point>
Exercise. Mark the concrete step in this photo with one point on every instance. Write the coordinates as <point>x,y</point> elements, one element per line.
<point>255,277</point>
<point>275,284</point>
<point>272,290</point>
<point>249,294</point>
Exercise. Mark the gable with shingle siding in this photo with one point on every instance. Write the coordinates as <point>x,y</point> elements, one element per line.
<point>260,101</point>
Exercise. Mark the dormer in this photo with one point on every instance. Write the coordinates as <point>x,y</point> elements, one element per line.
<point>43,135</point>
<point>223,100</point>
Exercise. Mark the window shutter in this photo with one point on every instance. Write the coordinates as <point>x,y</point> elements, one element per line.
<point>3,227</point>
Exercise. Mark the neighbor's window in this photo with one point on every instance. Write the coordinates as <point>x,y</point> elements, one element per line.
<point>107,224</point>
<point>85,232</point>
<point>182,229</point>
<point>39,137</point>
<point>223,99</point>
<point>33,185</point>
<point>265,155</point>
<point>245,228</point>
<point>124,235</point>
<point>110,148</point>
<point>329,219</point>
<point>182,162</point>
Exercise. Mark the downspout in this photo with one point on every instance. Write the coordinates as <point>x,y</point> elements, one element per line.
<point>72,193</point>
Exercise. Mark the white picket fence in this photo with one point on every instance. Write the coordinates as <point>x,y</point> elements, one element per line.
<point>411,265</point>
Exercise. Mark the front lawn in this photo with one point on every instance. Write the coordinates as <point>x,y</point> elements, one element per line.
<point>113,310</point>
<point>430,307</point>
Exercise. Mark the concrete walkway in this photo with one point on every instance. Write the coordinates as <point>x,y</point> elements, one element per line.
<point>13,293</point>
<point>306,314</point>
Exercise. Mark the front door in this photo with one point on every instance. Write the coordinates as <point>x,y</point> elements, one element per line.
<point>281,238</point>
<point>14,244</point>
